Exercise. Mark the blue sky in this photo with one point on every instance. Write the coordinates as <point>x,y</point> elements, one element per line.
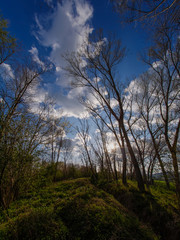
<point>44,29</point>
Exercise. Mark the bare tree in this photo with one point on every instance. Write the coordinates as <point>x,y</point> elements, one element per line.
<point>141,10</point>
<point>147,104</point>
<point>14,87</point>
<point>110,124</point>
<point>83,134</point>
<point>164,59</point>
<point>98,150</point>
<point>138,132</point>
<point>104,141</point>
<point>95,68</point>
<point>67,148</point>
<point>57,128</point>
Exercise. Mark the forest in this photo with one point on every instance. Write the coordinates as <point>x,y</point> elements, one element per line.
<point>125,182</point>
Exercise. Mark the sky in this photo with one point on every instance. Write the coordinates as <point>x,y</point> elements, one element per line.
<point>46,29</point>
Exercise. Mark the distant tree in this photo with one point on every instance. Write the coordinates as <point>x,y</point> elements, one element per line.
<point>84,137</point>
<point>57,128</point>
<point>98,150</point>
<point>103,113</point>
<point>104,141</point>
<point>67,149</point>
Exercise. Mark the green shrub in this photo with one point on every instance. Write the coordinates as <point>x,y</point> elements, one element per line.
<point>39,224</point>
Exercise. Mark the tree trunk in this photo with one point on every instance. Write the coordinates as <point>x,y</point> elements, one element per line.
<point>124,177</point>
<point>145,176</point>
<point>139,177</point>
<point>158,157</point>
<point>176,176</point>
<point>115,170</point>
<point>163,170</point>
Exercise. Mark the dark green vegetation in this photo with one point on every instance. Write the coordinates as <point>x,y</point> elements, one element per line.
<point>77,209</point>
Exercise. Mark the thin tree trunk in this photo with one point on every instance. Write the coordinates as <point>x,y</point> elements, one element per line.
<point>139,177</point>
<point>124,177</point>
<point>176,176</point>
<point>115,170</point>
<point>158,157</point>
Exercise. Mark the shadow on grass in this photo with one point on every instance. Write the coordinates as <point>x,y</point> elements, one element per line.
<point>146,207</point>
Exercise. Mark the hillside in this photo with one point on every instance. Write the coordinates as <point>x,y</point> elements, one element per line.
<point>76,209</point>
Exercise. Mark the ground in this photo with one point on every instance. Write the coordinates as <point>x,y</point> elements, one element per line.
<point>77,209</point>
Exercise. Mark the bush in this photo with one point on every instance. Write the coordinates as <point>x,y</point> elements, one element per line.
<point>39,224</point>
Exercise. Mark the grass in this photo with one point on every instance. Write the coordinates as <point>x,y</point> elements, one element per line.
<point>167,198</point>
<point>73,209</point>
<point>157,208</point>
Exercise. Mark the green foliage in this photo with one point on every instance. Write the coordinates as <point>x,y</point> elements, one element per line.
<point>76,209</point>
<point>158,208</point>
<point>73,209</point>
<point>39,224</point>
<point>167,198</point>
<point>7,42</point>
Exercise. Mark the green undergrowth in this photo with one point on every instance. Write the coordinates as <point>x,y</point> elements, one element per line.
<point>157,208</point>
<point>73,209</point>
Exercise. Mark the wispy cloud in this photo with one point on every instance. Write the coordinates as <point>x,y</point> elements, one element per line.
<point>35,57</point>
<point>6,71</point>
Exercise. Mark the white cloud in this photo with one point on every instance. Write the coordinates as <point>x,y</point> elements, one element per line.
<point>114,103</point>
<point>35,57</point>
<point>68,29</point>
<point>157,64</point>
<point>64,30</point>
<point>6,71</point>
<point>71,105</point>
<point>37,93</point>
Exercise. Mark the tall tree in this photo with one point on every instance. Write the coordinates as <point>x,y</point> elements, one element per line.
<point>95,68</point>
<point>164,59</point>
<point>147,105</point>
